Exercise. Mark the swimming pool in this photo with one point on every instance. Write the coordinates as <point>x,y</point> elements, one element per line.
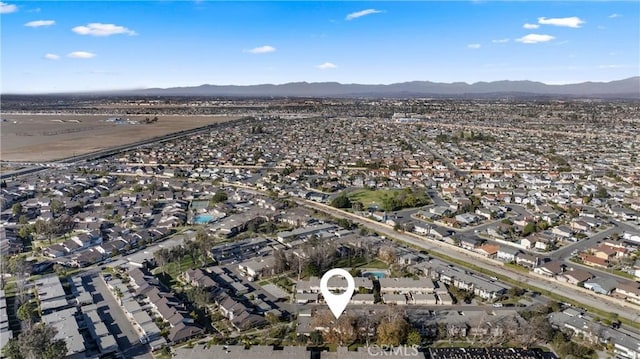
<point>202,219</point>
<point>376,274</point>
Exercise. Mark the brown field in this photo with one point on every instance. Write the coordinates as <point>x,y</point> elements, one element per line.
<point>52,137</point>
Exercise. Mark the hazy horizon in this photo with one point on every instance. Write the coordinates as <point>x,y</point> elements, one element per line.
<point>122,90</point>
<point>61,47</point>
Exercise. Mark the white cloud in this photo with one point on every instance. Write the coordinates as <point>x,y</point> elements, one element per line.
<point>474,46</point>
<point>357,14</point>
<point>613,16</point>
<point>573,21</point>
<point>535,38</point>
<point>262,49</point>
<point>40,23</point>
<point>500,41</point>
<point>611,66</point>
<point>7,8</point>
<point>531,26</point>
<point>81,55</point>
<point>326,66</point>
<point>51,56</point>
<point>99,29</point>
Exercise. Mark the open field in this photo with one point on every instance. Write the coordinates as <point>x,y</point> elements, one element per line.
<point>371,197</point>
<point>50,137</point>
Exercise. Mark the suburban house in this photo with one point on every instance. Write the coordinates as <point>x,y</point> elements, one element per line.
<point>550,269</point>
<point>601,285</point>
<point>575,276</point>
<point>507,253</point>
<point>470,243</point>
<point>629,290</point>
<point>489,250</point>
<point>594,261</point>
<point>527,260</point>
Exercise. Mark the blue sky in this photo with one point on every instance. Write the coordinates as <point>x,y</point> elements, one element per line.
<point>99,45</point>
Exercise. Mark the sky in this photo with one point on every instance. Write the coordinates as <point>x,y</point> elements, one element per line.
<point>64,46</point>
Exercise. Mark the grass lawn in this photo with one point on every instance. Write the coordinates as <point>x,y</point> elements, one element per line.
<point>173,269</point>
<point>350,262</point>
<point>376,264</point>
<point>369,197</point>
<point>451,344</point>
<point>285,283</point>
<point>517,267</point>
<point>621,273</point>
<point>161,354</point>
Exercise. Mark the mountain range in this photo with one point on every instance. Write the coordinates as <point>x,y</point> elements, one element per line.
<point>627,88</point>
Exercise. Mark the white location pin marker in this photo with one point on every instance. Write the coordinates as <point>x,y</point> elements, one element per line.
<point>337,302</point>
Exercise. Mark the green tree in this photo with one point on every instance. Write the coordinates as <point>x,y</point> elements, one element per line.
<point>16,209</point>
<point>201,234</point>
<point>316,338</point>
<point>528,229</point>
<point>56,206</point>
<point>392,330</point>
<point>542,225</point>
<point>345,223</point>
<point>153,186</point>
<point>118,294</point>
<point>219,196</point>
<point>515,292</point>
<point>272,318</point>
<point>36,343</point>
<point>414,337</point>
<point>25,231</point>
<point>341,201</point>
<point>17,264</point>
<point>602,193</point>
<point>27,312</point>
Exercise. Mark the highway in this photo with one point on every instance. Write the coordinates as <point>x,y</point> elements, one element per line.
<point>112,151</point>
<point>604,303</point>
<point>563,254</point>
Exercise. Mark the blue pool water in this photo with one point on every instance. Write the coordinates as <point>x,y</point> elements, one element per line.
<point>203,218</point>
<point>375,274</point>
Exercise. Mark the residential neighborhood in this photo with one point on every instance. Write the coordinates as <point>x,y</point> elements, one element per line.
<point>472,225</point>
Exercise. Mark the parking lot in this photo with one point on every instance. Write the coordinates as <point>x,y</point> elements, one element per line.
<point>115,319</point>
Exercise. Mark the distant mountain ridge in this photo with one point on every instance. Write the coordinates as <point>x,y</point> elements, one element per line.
<point>626,88</point>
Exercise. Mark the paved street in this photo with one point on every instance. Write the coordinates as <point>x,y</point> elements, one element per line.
<point>563,254</point>
<point>604,303</point>
<point>116,321</point>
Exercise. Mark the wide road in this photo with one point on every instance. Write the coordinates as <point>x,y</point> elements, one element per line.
<point>563,254</point>
<point>604,303</point>
<point>113,151</point>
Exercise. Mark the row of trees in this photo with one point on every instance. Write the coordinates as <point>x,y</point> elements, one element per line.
<point>391,201</point>
<point>319,257</point>
<point>407,198</point>
<point>392,329</point>
<point>57,227</point>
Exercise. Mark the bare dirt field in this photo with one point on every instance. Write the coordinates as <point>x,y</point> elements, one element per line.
<point>51,137</point>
